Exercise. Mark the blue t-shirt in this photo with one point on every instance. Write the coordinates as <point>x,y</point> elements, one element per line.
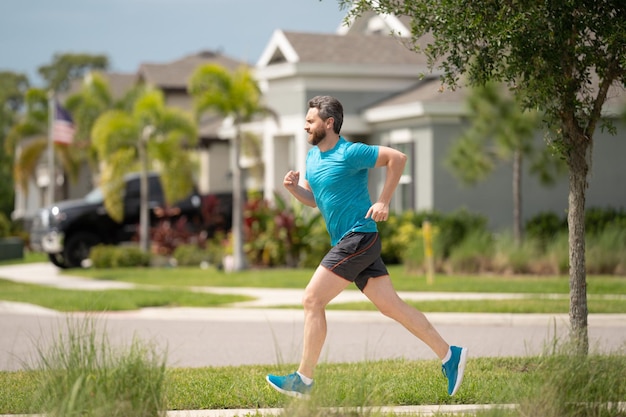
<point>338,179</point>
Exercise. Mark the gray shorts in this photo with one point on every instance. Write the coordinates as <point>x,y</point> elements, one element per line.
<point>356,258</point>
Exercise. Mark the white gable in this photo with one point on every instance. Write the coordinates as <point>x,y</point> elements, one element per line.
<point>278,49</point>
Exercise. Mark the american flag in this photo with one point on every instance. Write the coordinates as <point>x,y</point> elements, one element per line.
<point>63,126</point>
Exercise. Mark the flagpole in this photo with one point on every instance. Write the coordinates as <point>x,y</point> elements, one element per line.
<point>51,173</point>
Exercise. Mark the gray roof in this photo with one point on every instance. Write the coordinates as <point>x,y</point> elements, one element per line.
<point>120,82</point>
<point>353,49</point>
<point>428,90</point>
<point>175,74</point>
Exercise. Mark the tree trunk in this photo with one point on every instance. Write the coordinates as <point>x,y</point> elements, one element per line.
<point>578,168</point>
<point>237,226</point>
<point>144,229</point>
<point>517,197</point>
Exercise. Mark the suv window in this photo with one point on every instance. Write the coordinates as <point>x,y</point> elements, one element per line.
<point>95,196</point>
<point>133,188</point>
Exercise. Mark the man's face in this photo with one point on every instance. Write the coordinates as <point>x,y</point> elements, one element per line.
<point>315,127</point>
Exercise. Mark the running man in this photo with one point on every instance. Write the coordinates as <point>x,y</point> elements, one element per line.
<point>336,181</point>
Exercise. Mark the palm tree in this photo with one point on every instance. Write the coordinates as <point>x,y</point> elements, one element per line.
<point>237,96</point>
<point>150,136</point>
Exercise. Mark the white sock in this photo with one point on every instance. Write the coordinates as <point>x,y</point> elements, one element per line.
<point>305,379</point>
<point>448,355</point>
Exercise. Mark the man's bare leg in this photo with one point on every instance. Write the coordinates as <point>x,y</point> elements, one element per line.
<point>323,287</point>
<point>381,292</point>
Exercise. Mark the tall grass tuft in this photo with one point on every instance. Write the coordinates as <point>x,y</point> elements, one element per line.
<point>580,386</point>
<point>511,258</point>
<point>474,254</point>
<point>564,384</point>
<point>605,252</point>
<point>82,375</point>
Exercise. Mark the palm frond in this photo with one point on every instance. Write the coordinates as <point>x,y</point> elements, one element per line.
<point>27,161</point>
<point>112,131</point>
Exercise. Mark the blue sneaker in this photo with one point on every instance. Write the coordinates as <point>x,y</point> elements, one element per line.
<point>454,368</point>
<point>291,385</point>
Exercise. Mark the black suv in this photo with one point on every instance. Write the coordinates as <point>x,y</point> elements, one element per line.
<point>68,230</point>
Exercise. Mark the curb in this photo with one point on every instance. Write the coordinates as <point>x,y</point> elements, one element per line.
<point>410,410</point>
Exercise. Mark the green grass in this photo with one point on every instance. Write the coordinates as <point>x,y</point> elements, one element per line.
<point>298,278</point>
<point>533,305</point>
<point>398,382</point>
<point>168,287</point>
<point>110,300</point>
<point>374,383</point>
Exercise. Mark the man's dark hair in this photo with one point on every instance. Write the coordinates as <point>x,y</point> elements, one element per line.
<point>328,106</point>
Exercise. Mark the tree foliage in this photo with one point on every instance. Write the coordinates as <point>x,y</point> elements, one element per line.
<point>561,58</point>
<point>13,87</point>
<point>67,67</point>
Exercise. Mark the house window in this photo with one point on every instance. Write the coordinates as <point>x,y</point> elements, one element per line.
<point>404,198</point>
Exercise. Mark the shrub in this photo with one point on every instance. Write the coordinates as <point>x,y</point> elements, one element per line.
<point>605,251</point>
<point>109,256</point>
<point>474,254</point>
<point>398,232</point>
<point>128,256</point>
<point>597,220</point>
<point>414,257</point>
<point>315,244</point>
<point>169,233</point>
<point>544,226</point>
<point>557,252</point>
<point>453,228</point>
<point>280,234</point>
<point>102,256</point>
<point>191,255</point>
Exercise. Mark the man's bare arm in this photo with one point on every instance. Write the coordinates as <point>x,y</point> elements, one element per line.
<point>301,193</point>
<point>395,161</point>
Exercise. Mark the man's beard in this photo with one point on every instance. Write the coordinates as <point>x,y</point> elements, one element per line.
<point>317,136</point>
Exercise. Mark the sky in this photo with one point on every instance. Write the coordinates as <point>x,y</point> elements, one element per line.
<point>131,32</point>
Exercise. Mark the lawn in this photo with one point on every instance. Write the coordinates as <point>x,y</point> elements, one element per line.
<point>170,287</point>
<point>403,281</point>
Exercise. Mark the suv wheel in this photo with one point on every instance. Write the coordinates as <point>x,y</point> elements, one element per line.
<point>57,260</point>
<point>77,248</point>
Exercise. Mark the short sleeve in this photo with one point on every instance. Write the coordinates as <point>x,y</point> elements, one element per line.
<point>362,156</point>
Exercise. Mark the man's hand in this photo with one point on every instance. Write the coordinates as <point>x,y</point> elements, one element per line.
<point>302,192</point>
<point>379,212</point>
<point>291,180</point>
